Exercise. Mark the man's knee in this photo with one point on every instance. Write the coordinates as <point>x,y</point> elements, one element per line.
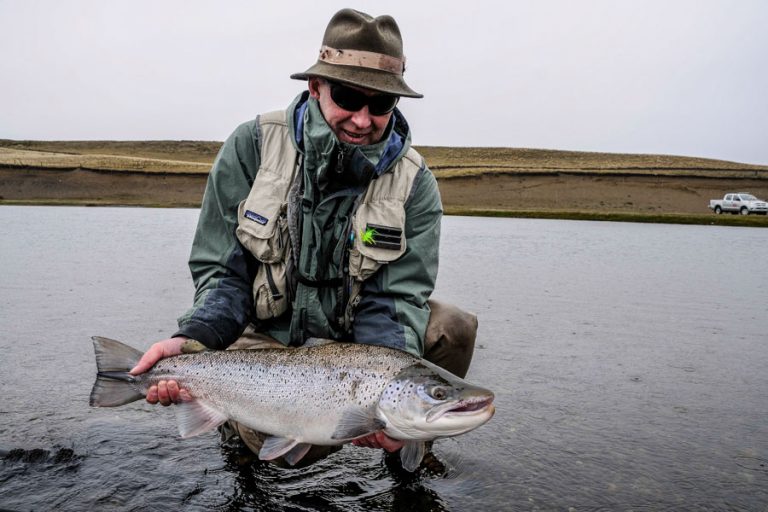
<point>252,339</point>
<point>450,337</point>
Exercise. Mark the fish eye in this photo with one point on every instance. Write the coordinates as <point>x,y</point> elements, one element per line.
<point>438,393</point>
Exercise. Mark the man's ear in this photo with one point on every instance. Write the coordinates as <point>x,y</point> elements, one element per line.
<point>314,87</point>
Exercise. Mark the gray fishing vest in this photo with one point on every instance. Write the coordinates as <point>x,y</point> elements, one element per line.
<point>378,222</point>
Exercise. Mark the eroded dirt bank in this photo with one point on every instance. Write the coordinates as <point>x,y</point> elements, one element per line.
<point>630,194</point>
<point>471,180</point>
<point>80,186</point>
<point>561,192</point>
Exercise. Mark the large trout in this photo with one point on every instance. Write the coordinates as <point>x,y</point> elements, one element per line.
<point>326,394</point>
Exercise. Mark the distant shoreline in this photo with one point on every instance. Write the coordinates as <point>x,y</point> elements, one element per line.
<point>498,182</point>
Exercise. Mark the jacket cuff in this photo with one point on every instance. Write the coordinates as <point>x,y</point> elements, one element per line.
<point>201,333</point>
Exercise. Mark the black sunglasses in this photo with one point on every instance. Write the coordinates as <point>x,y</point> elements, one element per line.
<point>353,100</point>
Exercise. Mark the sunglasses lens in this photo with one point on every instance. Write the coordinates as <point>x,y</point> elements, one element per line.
<point>346,98</point>
<point>380,105</point>
<point>351,100</point>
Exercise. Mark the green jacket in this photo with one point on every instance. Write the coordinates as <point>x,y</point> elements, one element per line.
<point>392,309</point>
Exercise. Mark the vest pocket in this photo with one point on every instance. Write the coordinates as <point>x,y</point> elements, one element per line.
<point>270,291</point>
<point>379,237</point>
<point>263,230</point>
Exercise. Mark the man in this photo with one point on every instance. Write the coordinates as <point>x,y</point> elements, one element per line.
<point>321,221</point>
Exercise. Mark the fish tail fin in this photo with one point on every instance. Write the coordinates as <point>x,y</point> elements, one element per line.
<point>114,385</point>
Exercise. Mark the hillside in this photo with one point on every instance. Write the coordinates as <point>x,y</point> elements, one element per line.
<point>489,181</point>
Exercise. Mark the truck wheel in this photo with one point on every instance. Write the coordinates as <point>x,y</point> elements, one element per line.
<point>744,210</point>
<point>718,210</point>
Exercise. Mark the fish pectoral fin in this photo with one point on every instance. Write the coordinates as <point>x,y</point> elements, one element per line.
<point>356,422</point>
<point>196,416</point>
<point>274,447</point>
<point>411,454</point>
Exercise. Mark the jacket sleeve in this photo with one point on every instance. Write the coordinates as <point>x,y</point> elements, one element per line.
<point>393,308</point>
<point>221,268</point>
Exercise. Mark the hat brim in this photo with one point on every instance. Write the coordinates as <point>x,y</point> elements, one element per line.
<point>373,79</point>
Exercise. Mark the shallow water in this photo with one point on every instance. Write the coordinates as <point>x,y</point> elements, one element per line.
<point>629,363</point>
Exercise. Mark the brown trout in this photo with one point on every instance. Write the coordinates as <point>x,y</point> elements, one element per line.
<point>326,394</point>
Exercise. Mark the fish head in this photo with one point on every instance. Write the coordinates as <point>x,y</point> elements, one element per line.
<point>424,402</point>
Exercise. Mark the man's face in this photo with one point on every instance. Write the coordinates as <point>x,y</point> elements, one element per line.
<point>360,127</point>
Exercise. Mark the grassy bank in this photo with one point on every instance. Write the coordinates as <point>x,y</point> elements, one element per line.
<point>702,219</point>
<point>493,182</point>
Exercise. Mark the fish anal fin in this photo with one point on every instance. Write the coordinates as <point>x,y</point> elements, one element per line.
<point>196,416</point>
<point>275,447</point>
<point>356,422</point>
<point>411,454</point>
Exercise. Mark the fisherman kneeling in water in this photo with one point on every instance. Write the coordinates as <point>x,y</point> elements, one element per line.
<point>321,221</point>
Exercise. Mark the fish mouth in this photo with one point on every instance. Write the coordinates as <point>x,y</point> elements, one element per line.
<point>466,407</point>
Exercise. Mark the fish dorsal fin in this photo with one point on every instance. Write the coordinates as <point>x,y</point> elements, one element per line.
<point>196,416</point>
<point>356,422</point>
<point>411,454</point>
<point>317,342</point>
<point>297,453</point>
<point>275,447</point>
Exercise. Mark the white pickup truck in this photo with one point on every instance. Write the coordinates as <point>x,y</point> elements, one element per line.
<point>739,202</point>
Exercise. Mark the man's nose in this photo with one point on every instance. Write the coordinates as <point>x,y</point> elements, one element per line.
<point>362,118</point>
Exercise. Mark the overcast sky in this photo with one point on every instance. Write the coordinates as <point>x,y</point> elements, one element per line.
<point>683,77</point>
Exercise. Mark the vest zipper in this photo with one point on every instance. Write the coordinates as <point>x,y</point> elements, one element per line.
<point>276,295</point>
<point>340,161</point>
<point>281,221</point>
<point>346,284</point>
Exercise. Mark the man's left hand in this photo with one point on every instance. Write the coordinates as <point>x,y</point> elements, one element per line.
<point>379,440</point>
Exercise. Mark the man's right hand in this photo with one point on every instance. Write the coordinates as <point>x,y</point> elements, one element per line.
<point>165,392</point>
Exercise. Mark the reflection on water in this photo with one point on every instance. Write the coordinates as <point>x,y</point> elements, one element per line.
<point>628,361</point>
<point>325,486</point>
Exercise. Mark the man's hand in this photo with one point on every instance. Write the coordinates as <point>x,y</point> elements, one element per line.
<point>379,440</point>
<point>165,392</point>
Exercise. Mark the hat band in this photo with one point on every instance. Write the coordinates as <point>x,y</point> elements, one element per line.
<point>362,59</point>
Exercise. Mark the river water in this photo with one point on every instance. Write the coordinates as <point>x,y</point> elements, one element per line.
<point>630,363</point>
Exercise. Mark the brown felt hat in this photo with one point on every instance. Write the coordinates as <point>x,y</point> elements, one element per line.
<point>363,51</point>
